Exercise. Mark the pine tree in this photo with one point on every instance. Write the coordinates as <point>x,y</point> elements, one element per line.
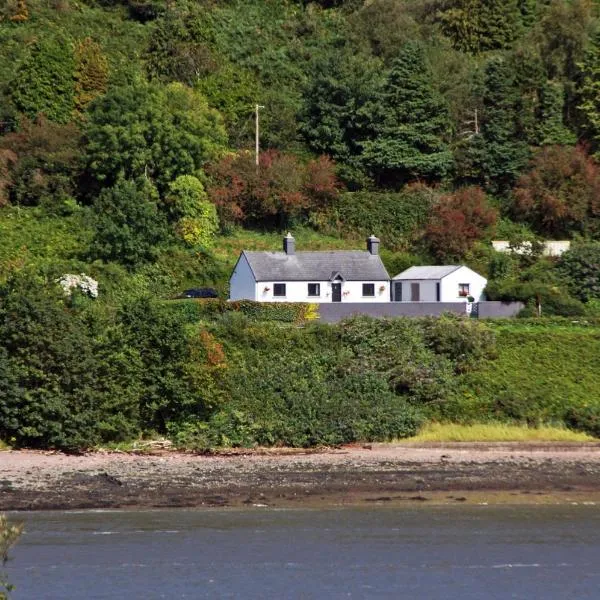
<point>338,111</point>
<point>551,128</point>
<point>589,93</point>
<point>479,25</point>
<point>503,152</point>
<point>409,141</point>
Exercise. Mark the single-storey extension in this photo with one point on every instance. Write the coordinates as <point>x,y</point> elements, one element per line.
<point>448,283</point>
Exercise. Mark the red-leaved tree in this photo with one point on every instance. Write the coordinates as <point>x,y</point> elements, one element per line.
<point>457,221</point>
<point>280,188</point>
<point>560,195</point>
<point>39,162</point>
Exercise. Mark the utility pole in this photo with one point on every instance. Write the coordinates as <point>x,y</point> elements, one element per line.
<point>257,107</point>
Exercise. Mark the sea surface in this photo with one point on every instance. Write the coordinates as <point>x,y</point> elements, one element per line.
<point>425,552</point>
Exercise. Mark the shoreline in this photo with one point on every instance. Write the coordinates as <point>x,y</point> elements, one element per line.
<point>358,475</point>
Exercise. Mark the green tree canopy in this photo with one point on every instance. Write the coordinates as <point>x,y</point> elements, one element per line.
<point>128,227</point>
<point>580,267</point>
<point>66,380</point>
<point>412,124</point>
<point>156,132</point>
<point>589,93</point>
<point>44,81</point>
<point>188,205</point>
<point>337,114</point>
<point>503,152</point>
<point>479,25</point>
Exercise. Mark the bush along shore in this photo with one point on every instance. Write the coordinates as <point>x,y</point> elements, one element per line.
<point>76,374</point>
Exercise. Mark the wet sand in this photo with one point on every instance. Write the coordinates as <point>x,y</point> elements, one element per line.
<point>353,475</point>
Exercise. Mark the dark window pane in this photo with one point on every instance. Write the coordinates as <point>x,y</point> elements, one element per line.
<point>398,291</point>
<point>314,289</point>
<point>368,289</point>
<point>279,289</point>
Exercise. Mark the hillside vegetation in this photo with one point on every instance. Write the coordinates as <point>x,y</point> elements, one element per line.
<point>127,155</point>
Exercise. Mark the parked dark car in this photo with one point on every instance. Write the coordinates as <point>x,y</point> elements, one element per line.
<point>199,293</point>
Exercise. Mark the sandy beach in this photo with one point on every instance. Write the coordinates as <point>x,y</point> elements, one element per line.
<point>382,473</point>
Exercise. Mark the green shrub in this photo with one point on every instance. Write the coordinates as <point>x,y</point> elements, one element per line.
<point>580,267</point>
<point>174,383</point>
<point>542,369</point>
<point>553,299</point>
<point>67,380</point>
<point>307,403</point>
<point>396,218</point>
<point>128,226</point>
<point>284,312</point>
<point>464,341</point>
<point>584,418</point>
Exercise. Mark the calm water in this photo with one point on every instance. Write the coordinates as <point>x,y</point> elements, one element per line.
<point>427,553</point>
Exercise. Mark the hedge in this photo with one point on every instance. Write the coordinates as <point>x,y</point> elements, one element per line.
<point>194,310</point>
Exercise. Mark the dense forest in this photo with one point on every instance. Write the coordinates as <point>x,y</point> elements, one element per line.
<point>127,174</point>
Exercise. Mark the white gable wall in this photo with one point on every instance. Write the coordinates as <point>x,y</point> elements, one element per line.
<point>450,285</point>
<point>242,285</point>
<point>297,291</point>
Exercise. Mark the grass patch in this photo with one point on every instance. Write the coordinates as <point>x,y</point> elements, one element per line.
<point>28,237</point>
<point>497,432</point>
<point>4,446</point>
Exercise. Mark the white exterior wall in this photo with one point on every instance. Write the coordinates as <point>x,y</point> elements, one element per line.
<point>551,248</point>
<point>448,287</point>
<point>241,283</point>
<point>556,248</point>
<point>449,291</point>
<point>297,291</point>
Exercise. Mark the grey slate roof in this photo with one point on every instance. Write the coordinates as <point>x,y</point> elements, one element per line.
<point>428,272</point>
<point>316,266</point>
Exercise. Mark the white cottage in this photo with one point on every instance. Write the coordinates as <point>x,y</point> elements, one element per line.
<point>290,276</point>
<point>450,283</point>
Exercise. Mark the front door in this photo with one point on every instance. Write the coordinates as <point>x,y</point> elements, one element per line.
<point>415,292</point>
<point>336,292</point>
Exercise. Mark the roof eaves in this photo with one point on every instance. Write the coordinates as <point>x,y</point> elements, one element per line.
<point>456,268</point>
